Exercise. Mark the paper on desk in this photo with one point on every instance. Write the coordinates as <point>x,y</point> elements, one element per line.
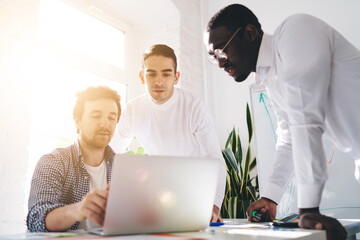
<point>247,225</point>
<point>85,236</point>
<point>137,237</point>
<point>40,236</point>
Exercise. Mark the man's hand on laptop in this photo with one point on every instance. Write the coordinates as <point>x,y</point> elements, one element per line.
<point>215,216</point>
<point>93,206</point>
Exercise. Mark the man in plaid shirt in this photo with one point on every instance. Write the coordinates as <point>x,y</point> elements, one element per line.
<point>69,188</point>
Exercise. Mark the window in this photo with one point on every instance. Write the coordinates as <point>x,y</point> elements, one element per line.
<point>72,29</point>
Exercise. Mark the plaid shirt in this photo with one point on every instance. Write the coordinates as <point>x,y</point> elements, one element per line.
<point>60,179</point>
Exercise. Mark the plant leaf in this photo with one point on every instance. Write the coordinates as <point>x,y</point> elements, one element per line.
<point>238,153</point>
<point>233,141</point>
<point>140,151</point>
<point>228,140</point>
<point>252,192</point>
<point>249,122</point>
<point>230,159</point>
<point>235,183</point>
<point>246,169</point>
<point>233,207</point>
<point>252,164</point>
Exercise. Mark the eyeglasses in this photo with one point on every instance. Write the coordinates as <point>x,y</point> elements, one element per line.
<point>218,54</point>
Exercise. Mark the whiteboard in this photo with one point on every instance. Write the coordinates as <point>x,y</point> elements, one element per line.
<point>341,195</point>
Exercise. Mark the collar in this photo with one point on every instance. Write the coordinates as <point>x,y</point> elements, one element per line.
<point>109,153</point>
<point>169,103</point>
<point>265,58</point>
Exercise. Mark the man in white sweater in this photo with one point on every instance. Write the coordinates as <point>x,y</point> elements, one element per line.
<point>170,121</point>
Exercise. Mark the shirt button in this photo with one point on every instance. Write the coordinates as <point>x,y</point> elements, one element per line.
<point>86,177</point>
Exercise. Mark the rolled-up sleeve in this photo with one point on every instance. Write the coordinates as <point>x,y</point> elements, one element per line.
<point>45,192</point>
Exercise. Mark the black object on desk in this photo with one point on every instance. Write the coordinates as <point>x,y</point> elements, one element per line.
<point>262,217</point>
<point>290,221</point>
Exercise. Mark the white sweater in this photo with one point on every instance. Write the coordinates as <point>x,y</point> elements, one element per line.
<point>182,126</point>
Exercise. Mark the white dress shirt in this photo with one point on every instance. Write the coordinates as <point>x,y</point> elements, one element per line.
<point>182,126</point>
<point>312,75</point>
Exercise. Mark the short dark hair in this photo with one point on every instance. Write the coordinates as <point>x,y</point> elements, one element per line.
<point>160,50</point>
<point>95,93</point>
<point>232,17</point>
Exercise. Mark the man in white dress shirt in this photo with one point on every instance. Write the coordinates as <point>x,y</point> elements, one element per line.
<point>312,75</point>
<point>170,121</point>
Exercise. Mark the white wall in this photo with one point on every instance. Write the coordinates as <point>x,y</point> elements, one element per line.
<point>17,32</point>
<point>228,98</point>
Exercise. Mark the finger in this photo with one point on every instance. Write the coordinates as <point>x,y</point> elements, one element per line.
<point>319,226</point>
<point>99,197</point>
<point>273,213</point>
<point>101,193</point>
<point>311,221</point>
<point>98,219</point>
<point>214,217</point>
<point>250,210</point>
<point>264,210</point>
<point>91,214</point>
<point>95,203</point>
<point>91,208</point>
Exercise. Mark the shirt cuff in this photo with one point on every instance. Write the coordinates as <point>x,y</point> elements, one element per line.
<point>218,200</point>
<point>309,196</point>
<point>273,192</point>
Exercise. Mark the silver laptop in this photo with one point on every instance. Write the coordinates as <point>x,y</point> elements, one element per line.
<point>153,194</point>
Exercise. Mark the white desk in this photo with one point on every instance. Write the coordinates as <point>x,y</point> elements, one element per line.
<point>243,231</point>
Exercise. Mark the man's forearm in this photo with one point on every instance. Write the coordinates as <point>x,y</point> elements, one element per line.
<point>62,218</point>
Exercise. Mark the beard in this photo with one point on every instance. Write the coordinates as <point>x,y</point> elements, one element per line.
<point>241,77</point>
<point>96,141</point>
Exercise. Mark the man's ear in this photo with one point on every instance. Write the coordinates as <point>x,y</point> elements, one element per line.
<point>77,123</point>
<point>141,76</point>
<point>250,32</point>
<point>177,76</point>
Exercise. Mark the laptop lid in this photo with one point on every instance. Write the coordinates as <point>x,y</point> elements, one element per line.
<point>150,194</point>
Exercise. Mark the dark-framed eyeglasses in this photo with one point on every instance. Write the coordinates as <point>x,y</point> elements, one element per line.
<point>218,54</point>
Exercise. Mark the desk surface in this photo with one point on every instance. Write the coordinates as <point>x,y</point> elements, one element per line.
<point>232,229</point>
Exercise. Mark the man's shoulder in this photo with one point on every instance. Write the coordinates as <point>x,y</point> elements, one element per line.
<point>138,101</point>
<point>300,19</point>
<point>298,26</point>
<point>194,104</point>
<point>188,96</point>
<point>60,155</point>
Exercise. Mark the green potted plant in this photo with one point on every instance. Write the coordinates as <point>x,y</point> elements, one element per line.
<point>241,189</point>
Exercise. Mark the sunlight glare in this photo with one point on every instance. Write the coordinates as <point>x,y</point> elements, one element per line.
<point>73,29</point>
